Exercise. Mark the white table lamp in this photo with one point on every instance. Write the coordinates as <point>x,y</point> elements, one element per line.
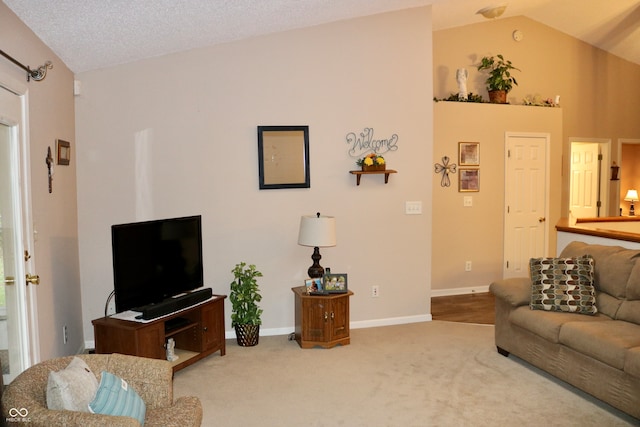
<point>318,232</point>
<point>632,196</point>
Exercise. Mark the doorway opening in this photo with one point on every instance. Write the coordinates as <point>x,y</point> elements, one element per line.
<point>589,178</point>
<point>629,157</point>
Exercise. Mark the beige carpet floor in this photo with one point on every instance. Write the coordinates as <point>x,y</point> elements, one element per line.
<point>424,374</point>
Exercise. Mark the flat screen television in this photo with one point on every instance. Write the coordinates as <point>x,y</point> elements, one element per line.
<point>155,260</point>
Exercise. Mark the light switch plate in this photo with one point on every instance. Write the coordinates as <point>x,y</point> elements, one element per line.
<point>413,208</point>
<point>468,201</point>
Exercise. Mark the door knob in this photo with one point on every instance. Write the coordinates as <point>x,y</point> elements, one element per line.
<point>542,219</point>
<point>35,279</point>
<point>9,280</point>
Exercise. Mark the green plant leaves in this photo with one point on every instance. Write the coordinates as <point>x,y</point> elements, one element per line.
<point>244,296</point>
<point>499,73</point>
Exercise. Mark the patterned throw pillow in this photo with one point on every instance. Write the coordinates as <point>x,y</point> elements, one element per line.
<point>115,397</point>
<point>563,284</point>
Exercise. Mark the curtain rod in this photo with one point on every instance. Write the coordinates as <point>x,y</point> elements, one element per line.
<point>38,74</point>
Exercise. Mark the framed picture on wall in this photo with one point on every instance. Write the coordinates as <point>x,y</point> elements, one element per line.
<point>469,154</point>
<point>283,157</point>
<point>64,152</point>
<point>469,180</point>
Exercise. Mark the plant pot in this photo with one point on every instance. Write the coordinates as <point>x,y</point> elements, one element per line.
<point>247,335</point>
<point>498,96</point>
<point>366,168</point>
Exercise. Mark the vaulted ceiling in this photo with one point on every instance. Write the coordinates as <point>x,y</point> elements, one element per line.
<point>93,34</point>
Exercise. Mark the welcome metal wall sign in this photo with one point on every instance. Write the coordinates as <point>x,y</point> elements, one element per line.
<point>364,142</point>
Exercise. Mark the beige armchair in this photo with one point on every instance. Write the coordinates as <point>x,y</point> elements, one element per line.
<point>152,379</point>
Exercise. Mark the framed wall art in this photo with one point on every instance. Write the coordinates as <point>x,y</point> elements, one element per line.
<point>469,180</point>
<point>468,154</point>
<point>64,152</point>
<point>283,157</point>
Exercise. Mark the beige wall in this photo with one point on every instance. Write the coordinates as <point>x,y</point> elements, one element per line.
<point>476,233</point>
<point>51,116</point>
<point>593,88</point>
<point>176,135</point>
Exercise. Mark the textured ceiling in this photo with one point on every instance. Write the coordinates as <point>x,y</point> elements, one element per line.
<point>92,34</point>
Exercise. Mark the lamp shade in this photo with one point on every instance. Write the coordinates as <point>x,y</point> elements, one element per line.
<point>632,196</point>
<point>317,231</point>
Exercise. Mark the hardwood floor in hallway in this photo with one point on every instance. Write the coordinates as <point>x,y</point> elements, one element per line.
<point>468,308</point>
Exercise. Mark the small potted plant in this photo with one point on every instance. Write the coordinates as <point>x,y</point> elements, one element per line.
<point>500,80</point>
<point>372,162</point>
<point>244,297</point>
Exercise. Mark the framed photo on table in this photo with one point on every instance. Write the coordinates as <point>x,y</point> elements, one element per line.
<point>335,283</point>
<point>314,286</point>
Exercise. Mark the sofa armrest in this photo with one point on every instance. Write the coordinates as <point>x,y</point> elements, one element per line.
<point>516,290</point>
<point>43,417</point>
<point>151,378</point>
<point>187,411</point>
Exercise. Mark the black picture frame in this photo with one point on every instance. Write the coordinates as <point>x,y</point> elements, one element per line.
<point>283,157</point>
<point>335,283</point>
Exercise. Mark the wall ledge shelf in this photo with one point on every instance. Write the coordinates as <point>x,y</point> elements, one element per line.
<point>386,173</point>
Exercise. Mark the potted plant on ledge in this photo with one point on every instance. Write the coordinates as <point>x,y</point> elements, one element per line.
<point>500,80</point>
<point>244,297</point>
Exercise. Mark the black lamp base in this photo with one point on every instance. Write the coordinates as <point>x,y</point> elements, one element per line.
<point>632,211</point>
<point>316,269</point>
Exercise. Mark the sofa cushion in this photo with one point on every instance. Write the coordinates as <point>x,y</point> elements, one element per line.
<point>607,304</point>
<point>633,285</point>
<point>547,324</point>
<point>607,342</point>
<point>629,311</point>
<point>632,362</point>
<point>71,388</point>
<point>613,265</point>
<point>563,284</point>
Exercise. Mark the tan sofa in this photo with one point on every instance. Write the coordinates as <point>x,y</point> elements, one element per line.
<point>152,379</point>
<point>600,353</point>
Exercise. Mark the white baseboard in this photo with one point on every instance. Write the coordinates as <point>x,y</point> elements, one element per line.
<point>390,321</point>
<point>353,325</point>
<point>458,291</point>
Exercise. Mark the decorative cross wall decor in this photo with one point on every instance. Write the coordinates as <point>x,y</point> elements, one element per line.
<point>445,168</point>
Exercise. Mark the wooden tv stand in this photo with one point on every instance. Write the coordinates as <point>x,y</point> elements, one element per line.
<point>198,332</point>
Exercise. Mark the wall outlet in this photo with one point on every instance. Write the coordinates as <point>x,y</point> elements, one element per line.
<point>65,334</point>
<point>375,291</point>
<point>467,266</point>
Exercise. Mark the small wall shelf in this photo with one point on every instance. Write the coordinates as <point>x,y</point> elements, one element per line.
<point>359,174</point>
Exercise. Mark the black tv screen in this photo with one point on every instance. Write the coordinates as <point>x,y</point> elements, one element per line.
<point>155,260</point>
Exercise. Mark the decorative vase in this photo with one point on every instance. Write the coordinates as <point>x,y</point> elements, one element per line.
<point>367,168</point>
<point>247,335</point>
<point>498,96</point>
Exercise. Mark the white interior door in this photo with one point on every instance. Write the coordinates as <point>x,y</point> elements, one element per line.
<point>585,177</point>
<point>527,184</point>
<point>17,299</point>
